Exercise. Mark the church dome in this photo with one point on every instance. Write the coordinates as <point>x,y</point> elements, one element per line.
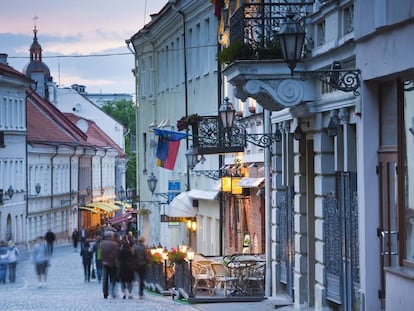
<point>36,65</point>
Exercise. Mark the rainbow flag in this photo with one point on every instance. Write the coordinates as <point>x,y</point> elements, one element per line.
<point>167,147</point>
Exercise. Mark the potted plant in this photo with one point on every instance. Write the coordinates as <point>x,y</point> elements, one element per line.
<point>185,122</point>
<point>176,256</point>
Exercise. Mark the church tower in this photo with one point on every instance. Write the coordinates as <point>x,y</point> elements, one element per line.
<point>36,69</point>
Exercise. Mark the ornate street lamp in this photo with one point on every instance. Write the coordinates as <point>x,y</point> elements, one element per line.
<point>38,187</point>
<point>152,182</point>
<point>190,257</point>
<point>227,113</point>
<point>121,193</point>
<point>291,38</point>
<point>9,192</point>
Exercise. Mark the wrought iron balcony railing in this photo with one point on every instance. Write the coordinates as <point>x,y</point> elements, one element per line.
<point>253,29</point>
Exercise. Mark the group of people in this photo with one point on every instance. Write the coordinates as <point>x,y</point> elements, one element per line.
<point>117,259</point>
<point>9,254</point>
<point>42,250</point>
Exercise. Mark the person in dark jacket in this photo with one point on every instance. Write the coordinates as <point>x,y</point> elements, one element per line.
<point>110,255</point>
<point>87,254</point>
<point>141,261</point>
<point>50,238</point>
<point>75,239</point>
<point>126,267</point>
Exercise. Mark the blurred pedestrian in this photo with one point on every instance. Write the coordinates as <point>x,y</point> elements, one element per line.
<point>110,254</point>
<point>50,238</point>
<point>141,260</point>
<point>75,238</point>
<point>97,250</point>
<point>86,253</point>
<point>82,236</point>
<point>40,258</point>
<point>126,267</point>
<point>3,261</point>
<point>13,254</point>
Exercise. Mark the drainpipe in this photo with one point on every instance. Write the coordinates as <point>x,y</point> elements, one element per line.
<point>221,157</point>
<point>91,177</point>
<point>70,173</point>
<point>137,137</point>
<point>52,170</point>
<point>268,209</point>
<point>188,187</point>
<point>102,171</point>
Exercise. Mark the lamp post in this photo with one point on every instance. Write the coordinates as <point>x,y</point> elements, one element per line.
<point>165,257</point>
<point>9,192</point>
<point>152,182</point>
<point>190,257</point>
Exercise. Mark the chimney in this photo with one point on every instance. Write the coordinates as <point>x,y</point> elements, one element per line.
<point>3,58</point>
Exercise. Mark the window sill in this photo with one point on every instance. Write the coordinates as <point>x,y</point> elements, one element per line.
<point>403,271</point>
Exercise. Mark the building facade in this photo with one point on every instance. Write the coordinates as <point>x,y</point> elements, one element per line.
<point>13,157</point>
<point>61,169</point>
<point>176,76</point>
<point>341,230</point>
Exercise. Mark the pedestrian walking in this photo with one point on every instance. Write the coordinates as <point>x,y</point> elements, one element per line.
<point>126,267</point>
<point>87,254</point>
<point>82,236</point>
<point>40,258</point>
<point>3,261</point>
<point>75,238</point>
<point>141,260</point>
<point>97,250</point>
<point>110,254</point>
<point>50,238</point>
<point>13,255</point>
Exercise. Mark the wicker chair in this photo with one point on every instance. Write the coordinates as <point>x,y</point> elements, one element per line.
<point>223,277</point>
<point>203,277</point>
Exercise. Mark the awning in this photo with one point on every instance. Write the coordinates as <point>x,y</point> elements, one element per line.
<point>121,218</point>
<point>124,204</point>
<point>107,207</point>
<point>181,206</point>
<point>203,194</point>
<point>250,182</point>
<point>88,209</point>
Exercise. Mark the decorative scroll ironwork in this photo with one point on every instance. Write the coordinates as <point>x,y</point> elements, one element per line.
<point>341,225</point>
<point>339,79</point>
<point>209,137</point>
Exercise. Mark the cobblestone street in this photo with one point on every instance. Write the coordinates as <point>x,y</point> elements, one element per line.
<point>66,290</point>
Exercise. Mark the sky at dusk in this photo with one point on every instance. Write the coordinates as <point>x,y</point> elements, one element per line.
<point>70,30</point>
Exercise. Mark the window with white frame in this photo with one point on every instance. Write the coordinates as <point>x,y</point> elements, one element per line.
<point>190,54</point>
<point>206,46</point>
<point>150,77</point>
<point>142,89</point>
<point>178,63</point>
<point>348,19</point>
<point>321,31</point>
<point>197,56</point>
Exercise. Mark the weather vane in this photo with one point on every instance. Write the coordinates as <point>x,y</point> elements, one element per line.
<point>34,21</point>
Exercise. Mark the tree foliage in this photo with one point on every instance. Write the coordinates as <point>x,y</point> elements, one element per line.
<point>124,112</point>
